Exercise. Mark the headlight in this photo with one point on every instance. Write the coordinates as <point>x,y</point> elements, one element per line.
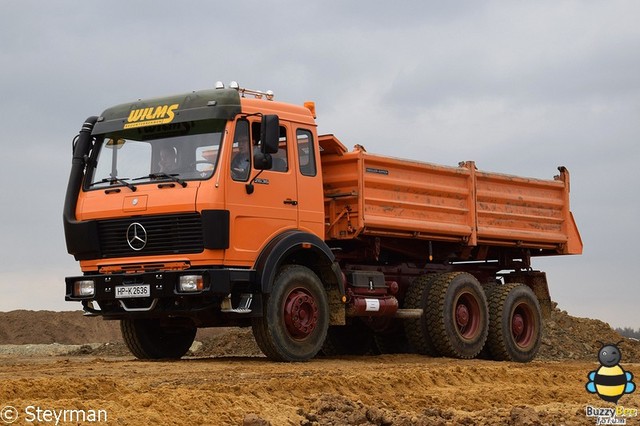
<point>190,283</point>
<point>84,288</point>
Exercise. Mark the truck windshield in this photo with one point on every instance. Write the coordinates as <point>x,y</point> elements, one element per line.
<point>176,152</point>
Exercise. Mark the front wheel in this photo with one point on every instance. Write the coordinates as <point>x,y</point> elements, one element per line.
<point>295,316</point>
<point>516,323</point>
<point>152,339</point>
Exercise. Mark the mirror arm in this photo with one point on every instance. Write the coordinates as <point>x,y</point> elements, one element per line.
<point>249,186</point>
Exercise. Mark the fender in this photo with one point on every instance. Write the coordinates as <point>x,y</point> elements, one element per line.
<point>297,245</point>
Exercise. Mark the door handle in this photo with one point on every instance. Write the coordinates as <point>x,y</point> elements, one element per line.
<point>290,201</point>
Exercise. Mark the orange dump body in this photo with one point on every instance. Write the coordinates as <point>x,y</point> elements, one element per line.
<point>367,194</point>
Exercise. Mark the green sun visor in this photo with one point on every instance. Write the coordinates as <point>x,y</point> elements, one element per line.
<point>194,106</point>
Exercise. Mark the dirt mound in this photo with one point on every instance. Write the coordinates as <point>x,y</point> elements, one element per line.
<point>68,328</point>
<point>230,342</point>
<point>568,337</point>
<point>338,410</point>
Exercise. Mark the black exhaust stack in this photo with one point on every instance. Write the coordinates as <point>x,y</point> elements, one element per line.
<point>81,237</point>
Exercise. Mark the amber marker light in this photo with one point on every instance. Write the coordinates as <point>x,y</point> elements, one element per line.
<point>311,106</point>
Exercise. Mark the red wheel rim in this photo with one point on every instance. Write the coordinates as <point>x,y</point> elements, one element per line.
<point>300,313</point>
<point>523,325</point>
<point>467,316</point>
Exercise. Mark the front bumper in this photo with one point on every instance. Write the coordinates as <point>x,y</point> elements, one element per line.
<point>164,297</point>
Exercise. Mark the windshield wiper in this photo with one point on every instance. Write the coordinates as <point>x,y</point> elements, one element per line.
<point>113,180</point>
<point>161,175</point>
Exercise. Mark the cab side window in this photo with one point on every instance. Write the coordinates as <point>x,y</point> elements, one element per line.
<point>241,152</point>
<point>280,162</point>
<point>306,156</point>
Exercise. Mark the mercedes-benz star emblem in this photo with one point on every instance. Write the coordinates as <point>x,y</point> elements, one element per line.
<point>136,236</point>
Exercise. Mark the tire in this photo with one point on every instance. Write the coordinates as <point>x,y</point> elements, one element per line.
<point>515,327</point>
<point>295,316</point>
<point>485,353</point>
<point>152,339</point>
<point>417,330</point>
<point>458,315</point>
<point>354,338</point>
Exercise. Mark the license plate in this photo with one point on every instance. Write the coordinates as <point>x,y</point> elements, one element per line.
<point>130,291</point>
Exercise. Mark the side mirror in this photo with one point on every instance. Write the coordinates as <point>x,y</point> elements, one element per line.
<point>269,134</point>
<point>262,161</point>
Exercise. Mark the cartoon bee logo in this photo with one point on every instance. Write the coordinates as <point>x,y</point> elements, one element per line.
<point>610,381</point>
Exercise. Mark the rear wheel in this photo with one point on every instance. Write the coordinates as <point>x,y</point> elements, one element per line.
<point>484,353</point>
<point>295,316</point>
<point>516,323</point>
<point>152,339</point>
<point>417,329</point>
<point>458,315</point>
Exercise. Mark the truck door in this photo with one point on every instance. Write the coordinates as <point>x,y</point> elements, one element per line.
<point>310,193</point>
<point>272,207</point>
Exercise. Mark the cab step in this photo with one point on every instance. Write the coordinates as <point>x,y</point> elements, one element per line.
<point>244,306</point>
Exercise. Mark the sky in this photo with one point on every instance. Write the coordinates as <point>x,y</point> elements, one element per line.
<point>519,87</point>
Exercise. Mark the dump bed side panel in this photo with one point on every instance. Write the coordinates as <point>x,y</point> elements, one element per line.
<point>418,200</point>
<point>387,197</point>
<point>367,194</point>
<point>519,210</point>
<point>526,212</point>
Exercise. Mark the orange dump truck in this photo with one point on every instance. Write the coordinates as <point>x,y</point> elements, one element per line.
<point>223,207</point>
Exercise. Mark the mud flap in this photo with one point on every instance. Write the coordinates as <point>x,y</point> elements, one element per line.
<point>536,281</point>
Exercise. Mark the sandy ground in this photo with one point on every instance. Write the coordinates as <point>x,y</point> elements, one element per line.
<point>226,381</point>
<point>373,390</point>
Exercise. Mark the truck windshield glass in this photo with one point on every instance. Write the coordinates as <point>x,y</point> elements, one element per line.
<point>176,152</point>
